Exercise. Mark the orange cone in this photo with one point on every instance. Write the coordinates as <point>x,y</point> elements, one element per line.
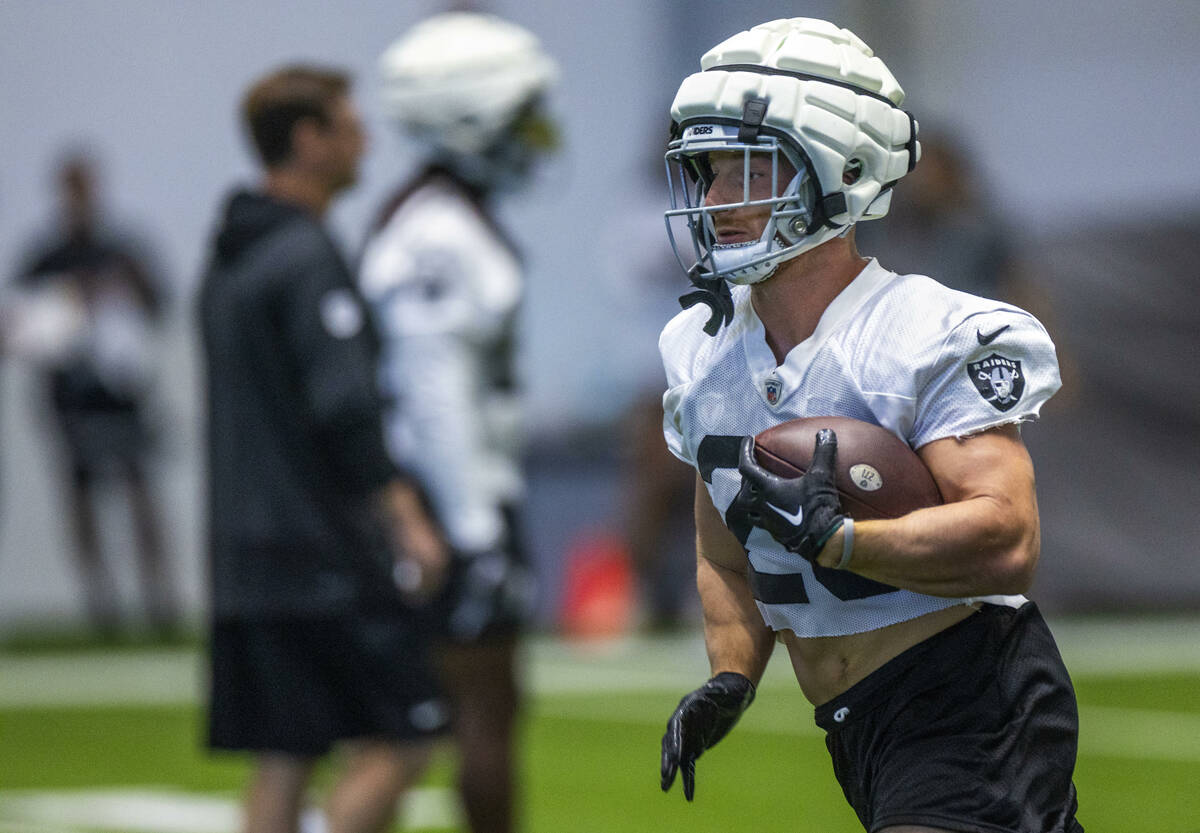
<point>598,594</point>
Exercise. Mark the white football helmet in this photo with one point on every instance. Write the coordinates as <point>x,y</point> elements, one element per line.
<point>811,95</point>
<point>462,81</point>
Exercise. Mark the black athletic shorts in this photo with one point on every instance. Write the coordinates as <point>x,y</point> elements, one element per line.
<point>973,730</point>
<point>300,685</point>
<point>487,595</point>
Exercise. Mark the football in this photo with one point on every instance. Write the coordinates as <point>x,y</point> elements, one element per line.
<point>878,475</point>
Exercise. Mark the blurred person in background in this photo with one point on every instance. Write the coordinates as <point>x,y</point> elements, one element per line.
<point>658,493</point>
<point>310,521</point>
<point>945,225</point>
<point>445,283</point>
<point>943,697</point>
<point>83,311</point>
<point>657,490</point>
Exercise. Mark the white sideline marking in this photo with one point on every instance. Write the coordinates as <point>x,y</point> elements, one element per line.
<point>1135,734</point>
<point>556,666</point>
<point>144,809</point>
<point>162,810</point>
<point>1129,646</point>
<point>1141,734</point>
<point>100,679</point>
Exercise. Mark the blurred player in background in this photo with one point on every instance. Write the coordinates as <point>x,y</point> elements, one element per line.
<point>656,488</point>
<point>84,312</point>
<point>945,702</point>
<point>309,519</point>
<point>945,227</point>
<point>446,283</point>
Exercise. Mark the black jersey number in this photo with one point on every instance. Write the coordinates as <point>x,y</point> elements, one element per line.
<point>721,452</point>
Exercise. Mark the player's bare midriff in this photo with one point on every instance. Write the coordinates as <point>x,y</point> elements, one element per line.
<point>829,665</point>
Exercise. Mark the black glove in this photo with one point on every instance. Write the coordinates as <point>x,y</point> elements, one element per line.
<point>811,499</point>
<point>701,719</point>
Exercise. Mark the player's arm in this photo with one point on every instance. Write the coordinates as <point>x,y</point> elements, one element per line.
<point>421,556</point>
<point>337,380</point>
<point>739,645</point>
<point>734,632</point>
<point>439,326</point>
<point>984,539</point>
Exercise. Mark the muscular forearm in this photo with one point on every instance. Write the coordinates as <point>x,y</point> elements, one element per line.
<point>976,547</point>
<point>735,635</point>
<point>739,646</point>
<point>984,540</point>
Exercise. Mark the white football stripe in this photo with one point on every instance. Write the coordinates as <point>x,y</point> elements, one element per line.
<point>162,810</point>
<point>1131,734</point>
<point>552,665</point>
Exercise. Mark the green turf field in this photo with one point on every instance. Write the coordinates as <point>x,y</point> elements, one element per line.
<point>108,741</point>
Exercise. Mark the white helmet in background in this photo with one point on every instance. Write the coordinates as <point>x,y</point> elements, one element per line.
<point>816,99</point>
<point>463,81</point>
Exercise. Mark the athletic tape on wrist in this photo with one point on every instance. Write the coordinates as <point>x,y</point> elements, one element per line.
<point>847,542</point>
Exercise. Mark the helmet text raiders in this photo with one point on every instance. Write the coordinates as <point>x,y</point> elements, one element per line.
<point>811,98</point>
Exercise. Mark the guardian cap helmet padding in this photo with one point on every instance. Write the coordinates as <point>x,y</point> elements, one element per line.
<point>462,81</point>
<point>803,90</point>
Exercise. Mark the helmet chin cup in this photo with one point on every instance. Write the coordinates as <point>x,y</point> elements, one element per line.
<point>760,260</point>
<point>742,263</point>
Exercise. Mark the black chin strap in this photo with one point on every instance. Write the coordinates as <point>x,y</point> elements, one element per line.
<point>715,293</point>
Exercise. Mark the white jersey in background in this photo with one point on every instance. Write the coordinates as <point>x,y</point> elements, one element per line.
<point>903,352</point>
<point>445,287</point>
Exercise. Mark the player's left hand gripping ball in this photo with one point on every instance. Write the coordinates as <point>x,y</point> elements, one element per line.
<point>802,513</point>
<point>700,720</point>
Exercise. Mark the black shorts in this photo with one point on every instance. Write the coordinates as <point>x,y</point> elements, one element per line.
<point>299,685</point>
<point>973,730</point>
<point>486,595</point>
<point>103,443</point>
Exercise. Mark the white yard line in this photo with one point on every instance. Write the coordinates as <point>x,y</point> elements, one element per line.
<point>100,679</point>
<point>164,810</point>
<point>1139,734</point>
<point>1129,646</point>
<point>1131,734</point>
<point>556,666</point>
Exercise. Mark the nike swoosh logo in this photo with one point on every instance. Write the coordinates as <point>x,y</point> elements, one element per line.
<point>990,337</point>
<point>794,519</point>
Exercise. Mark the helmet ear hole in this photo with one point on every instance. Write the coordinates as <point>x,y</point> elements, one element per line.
<point>852,172</point>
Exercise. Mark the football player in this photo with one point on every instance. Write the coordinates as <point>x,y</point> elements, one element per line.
<point>946,704</point>
<point>445,283</point>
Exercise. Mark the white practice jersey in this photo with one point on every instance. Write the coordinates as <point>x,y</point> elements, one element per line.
<point>445,287</point>
<point>904,352</point>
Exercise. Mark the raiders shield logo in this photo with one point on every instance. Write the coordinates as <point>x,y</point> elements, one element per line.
<point>999,380</point>
<point>773,387</point>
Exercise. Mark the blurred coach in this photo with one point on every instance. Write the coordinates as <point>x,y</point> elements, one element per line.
<point>311,643</point>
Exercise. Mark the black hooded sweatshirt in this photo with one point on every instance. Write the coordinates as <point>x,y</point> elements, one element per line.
<point>296,448</point>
